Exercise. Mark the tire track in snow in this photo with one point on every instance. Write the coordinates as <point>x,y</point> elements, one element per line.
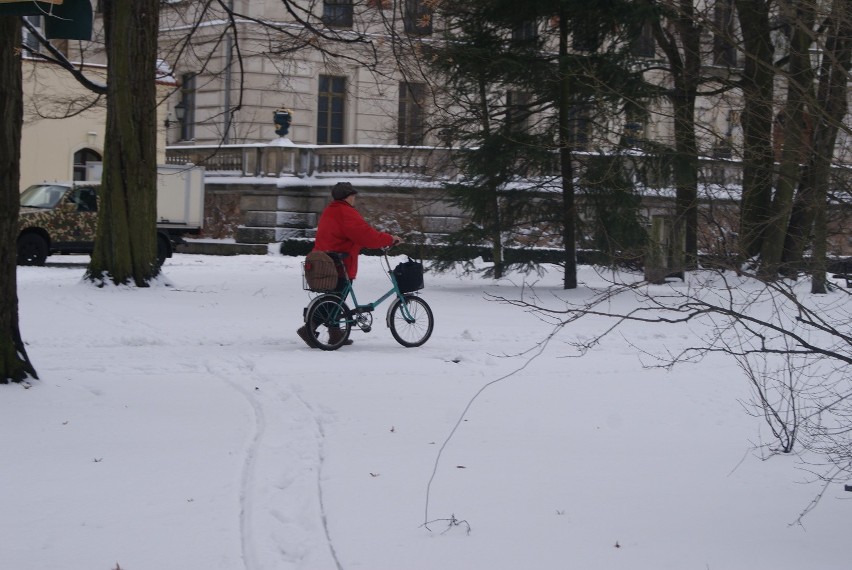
<point>248,462</point>
<point>276,502</point>
<point>321,457</point>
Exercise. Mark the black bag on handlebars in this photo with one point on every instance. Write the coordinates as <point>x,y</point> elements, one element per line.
<point>409,275</point>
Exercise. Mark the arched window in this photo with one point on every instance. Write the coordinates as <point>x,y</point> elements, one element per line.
<point>82,170</point>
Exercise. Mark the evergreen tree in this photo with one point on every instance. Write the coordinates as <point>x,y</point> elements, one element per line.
<point>615,229</point>
<point>568,65</point>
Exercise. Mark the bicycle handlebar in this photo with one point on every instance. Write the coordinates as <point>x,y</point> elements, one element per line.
<point>398,241</point>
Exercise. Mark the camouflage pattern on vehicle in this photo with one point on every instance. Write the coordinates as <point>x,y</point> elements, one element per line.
<point>65,223</point>
<point>56,218</point>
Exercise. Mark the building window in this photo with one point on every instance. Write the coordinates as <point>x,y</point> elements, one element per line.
<point>410,128</point>
<point>337,13</point>
<point>642,44</point>
<point>579,127</point>
<point>417,18</point>
<point>187,105</point>
<point>30,40</point>
<point>330,109</point>
<point>526,31</point>
<point>87,164</point>
<point>517,111</point>
<point>585,35</point>
<point>634,133</point>
<point>634,128</point>
<point>724,49</point>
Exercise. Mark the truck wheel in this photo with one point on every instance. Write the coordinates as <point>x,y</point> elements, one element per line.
<point>164,250</point>
<point>32,250</point>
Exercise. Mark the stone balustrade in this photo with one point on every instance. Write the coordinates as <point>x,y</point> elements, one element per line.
<point>283,160</point>
<point>263,193</point>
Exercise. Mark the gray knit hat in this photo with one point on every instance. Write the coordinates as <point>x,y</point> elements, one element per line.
<point>341,190</point>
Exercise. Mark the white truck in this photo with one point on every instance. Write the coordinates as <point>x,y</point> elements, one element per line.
<point>61,217</point>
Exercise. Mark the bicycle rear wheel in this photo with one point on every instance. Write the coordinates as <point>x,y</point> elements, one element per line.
<point>328,319</point>
<point>411,321</point>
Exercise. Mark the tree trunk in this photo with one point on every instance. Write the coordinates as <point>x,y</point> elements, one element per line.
<point>496,234</point>
<point>756,119</point>
<point>682,50</point>
<point>832,108</point>
<point>818,263</point>
<point>126,243</point>
<point>687,79</point>
<point>14,363</point>
<point>799,92</point>
<point>839,45</point>
<point>569,212</point>
<point>493,209</point>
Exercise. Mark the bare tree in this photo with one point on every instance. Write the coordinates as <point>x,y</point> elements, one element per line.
<point>801,68</point>
<point>794,349</point>
<point>126,245</point>
<point>15,365</point>
<point>678,33</point>
<point>125,248</point>
<point>216,39</point>
<point>808,212</point>
<point>800,78</point>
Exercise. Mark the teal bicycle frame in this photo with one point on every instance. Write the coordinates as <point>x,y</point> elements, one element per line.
<point>349,291</point>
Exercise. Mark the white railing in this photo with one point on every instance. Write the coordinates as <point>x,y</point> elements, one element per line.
<point>384,161</point>
<point>270,160</point>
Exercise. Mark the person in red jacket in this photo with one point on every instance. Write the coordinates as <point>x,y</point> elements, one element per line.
<point>341,229</point>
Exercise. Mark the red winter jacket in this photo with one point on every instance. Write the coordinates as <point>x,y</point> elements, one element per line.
<point>342,229</point>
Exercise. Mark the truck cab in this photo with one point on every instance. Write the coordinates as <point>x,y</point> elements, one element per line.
<point>56,218</point>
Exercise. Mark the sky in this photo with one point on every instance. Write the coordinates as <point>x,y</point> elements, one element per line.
<point>186,426</point>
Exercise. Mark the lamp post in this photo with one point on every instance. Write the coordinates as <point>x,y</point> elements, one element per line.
<point>180,114</point>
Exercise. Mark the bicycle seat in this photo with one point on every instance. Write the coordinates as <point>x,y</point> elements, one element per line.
<point>337,255</point>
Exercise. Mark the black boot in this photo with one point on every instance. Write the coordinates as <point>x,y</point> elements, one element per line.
<point>334,336</point>
<point>306,336</point>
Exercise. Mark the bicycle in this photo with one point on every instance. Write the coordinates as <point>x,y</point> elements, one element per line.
<point>330,320</point>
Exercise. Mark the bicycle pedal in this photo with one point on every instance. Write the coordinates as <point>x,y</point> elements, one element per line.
<point>366,328</point>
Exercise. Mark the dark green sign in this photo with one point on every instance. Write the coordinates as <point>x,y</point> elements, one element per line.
<point>71,20</point>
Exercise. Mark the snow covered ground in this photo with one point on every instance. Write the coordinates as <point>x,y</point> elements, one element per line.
<point>186,426</point>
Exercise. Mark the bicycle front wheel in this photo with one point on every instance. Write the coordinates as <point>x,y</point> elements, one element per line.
<point>410,321</point>
<point>328,320</point>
